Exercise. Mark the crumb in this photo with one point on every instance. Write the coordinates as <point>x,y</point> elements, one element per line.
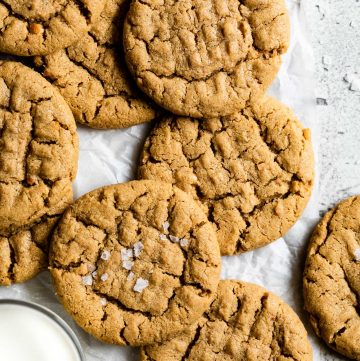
<point>321,101</point>
<point>35,29</point>
<point>31,180</point>
<point>353,80</point>
<point>355,85</point>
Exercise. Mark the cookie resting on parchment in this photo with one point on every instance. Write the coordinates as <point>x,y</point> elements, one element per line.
<point>244,323</point>
<point>38,148</point>
<point>93,78</point>
<point>39,27</point>
<point>205,58</point>
<point>135,263</point>
<point>252,172</point>
<point>332,278</point>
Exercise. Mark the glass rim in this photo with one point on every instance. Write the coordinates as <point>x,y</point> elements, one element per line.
<point>53,316</point>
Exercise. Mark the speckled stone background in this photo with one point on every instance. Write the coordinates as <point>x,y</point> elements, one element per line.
<point>335,34</point>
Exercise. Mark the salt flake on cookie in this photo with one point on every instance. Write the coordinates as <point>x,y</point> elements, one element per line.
<point>138,247</point>
<point>140,285</point>
<point>105,255</point>
<point>87,280</point>
<point>357,254</point>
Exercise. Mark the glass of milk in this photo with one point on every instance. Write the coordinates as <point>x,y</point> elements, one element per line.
<point>30,332</point>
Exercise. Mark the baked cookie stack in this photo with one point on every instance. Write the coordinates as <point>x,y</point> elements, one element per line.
<point>93,78</point>
<point>38,163</point>
<point>331,278</point>
<point>38,139</point>
<point>226,169</point>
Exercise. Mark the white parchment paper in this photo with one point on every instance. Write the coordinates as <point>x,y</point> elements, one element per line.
<point>108,157</point>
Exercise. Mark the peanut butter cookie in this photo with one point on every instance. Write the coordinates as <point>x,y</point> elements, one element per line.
<point>252,171</point>
<point>93,78</point>
<point>38,148</point>
<point>24,253</point>
<point>244,323</point>
<point>38,27</point>
<point>135,263</point>
<point>205,58</point>
<point>332,278</point>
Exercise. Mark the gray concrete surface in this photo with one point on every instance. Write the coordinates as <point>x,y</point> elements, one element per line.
<point>335,34</point>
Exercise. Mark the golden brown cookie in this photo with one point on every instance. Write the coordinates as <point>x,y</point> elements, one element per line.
<point>135,263</point>
<point>38,27</point>
<point>24,253</point>
<point>38,148</point>
<point>93,78</point>
<point>252,172</point>
<point>205,58</point>
<point>244,323</point>
<point>332,278</point>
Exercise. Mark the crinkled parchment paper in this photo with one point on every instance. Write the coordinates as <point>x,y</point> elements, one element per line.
<point>108,157</point>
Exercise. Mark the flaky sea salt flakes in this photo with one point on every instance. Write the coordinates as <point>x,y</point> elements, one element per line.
<point>163,237</point>
<point>103,301</point>
<point>130,276</point>
<point>166,226</point>
<point>105,255</point>
<point>126,254</point>
<point>184,242</point>
<point>91,267</point>
<point>174,239</point>
<point>87,280</point>
<point>127,264</point>
<point>140,285</point>
<point>94,274</point>
<point>138,247</point>
<point>104,277</point>
<point>357,254</point>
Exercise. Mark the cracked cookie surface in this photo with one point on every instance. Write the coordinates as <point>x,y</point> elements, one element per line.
<point>39,27</point>
<point>135,263</point>
<point>24,253</point>
<point>93,78</point>
<point>38,147</point>
<point>252,172</point>
<point>245,323</point>
<point>205,58</point>
<point>332,278</point>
